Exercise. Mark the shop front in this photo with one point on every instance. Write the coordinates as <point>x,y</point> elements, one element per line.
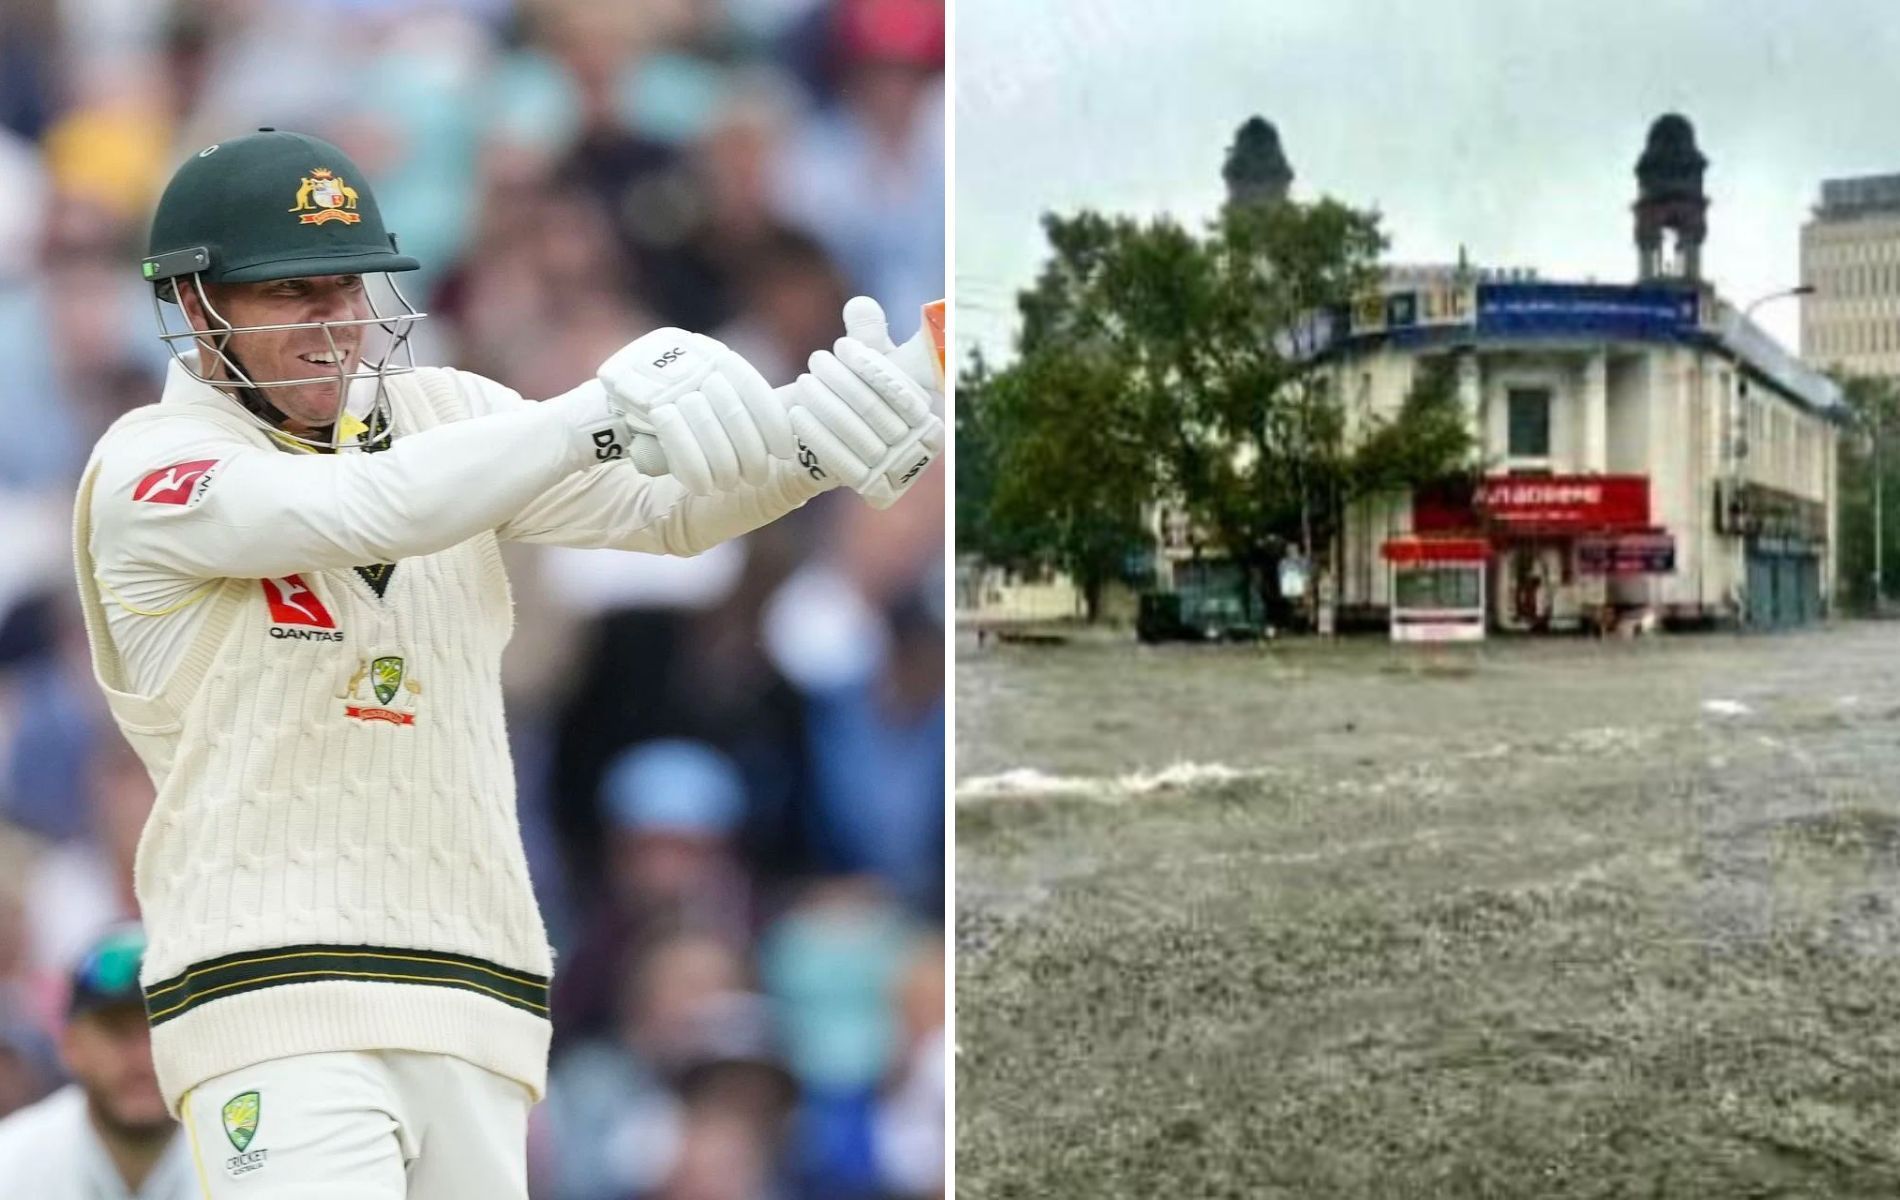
<point>1437,588</point>
<point>1784,539</point>
<point>1573,550</point>
<point>1562,552</point>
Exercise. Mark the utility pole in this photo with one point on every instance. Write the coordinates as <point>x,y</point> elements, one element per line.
<point>1880,492</point>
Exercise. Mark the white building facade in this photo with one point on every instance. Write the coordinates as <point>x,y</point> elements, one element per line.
<point>1639,448</point>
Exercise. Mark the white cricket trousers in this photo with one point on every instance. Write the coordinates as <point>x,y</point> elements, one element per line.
<point>380,1125</point>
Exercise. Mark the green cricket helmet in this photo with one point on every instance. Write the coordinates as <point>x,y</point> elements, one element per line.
<point>279,205</point>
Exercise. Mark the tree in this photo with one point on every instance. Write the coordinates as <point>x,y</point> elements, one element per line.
<point>975,461</point>
<point>1869,458</point>
<point>1072,472</point>
<point>1217,336</point>
<point>1425,441</point>
<point>1192,366</point>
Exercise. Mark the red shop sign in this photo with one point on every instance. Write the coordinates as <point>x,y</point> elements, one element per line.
<point>1566,502</point>
<point>1408,551</point>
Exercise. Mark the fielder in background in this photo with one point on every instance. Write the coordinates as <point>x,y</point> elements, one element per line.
<point>106,1135</point>
<point>297,609</point>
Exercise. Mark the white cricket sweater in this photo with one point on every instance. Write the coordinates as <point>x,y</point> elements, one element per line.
<point>333,861</point>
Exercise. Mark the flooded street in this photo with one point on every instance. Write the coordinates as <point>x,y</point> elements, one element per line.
<point>1534,919</point>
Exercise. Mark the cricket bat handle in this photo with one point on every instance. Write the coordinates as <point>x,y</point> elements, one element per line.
<point>921,358</point>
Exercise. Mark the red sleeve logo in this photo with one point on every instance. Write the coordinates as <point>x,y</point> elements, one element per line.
<point>174,484</point>
<point>293,603</point>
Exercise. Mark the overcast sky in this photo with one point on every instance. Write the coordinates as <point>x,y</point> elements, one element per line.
<point>1509,126</point>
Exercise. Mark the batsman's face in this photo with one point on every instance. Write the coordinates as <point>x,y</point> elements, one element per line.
<point>289,353</point>
<point>109,1053</point>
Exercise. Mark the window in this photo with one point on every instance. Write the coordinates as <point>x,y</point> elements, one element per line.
<point>1530,423</point>
<point>1778,435</point>
<point>1437,587</point>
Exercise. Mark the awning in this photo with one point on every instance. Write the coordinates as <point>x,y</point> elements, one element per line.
<point>1435,551</point>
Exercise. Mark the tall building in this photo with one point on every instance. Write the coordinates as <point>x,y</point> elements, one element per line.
<point>1850,253</point>
<point>1641,446</point>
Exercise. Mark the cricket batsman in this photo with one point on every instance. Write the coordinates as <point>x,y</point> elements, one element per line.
<point>297,609</point>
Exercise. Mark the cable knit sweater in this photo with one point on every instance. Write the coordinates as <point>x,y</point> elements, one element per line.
<point>333,861</point>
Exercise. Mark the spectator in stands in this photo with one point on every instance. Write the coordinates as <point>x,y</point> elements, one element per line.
<point>832,966</point>
<point>612,1122</point>
<point>868,173</point>
<point>106,1135</point>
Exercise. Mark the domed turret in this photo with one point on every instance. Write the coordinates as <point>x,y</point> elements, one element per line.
<point>1256,170</point>
<point>1671,166</point>
<point>1669,196</point>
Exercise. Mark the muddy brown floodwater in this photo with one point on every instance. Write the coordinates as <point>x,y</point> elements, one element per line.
<point>1545,919</point>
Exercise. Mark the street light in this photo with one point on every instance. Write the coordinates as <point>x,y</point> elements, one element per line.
<point>1802,289</point>
<point>1876,423</point>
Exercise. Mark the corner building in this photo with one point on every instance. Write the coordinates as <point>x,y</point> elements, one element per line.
<point>1641,447</point>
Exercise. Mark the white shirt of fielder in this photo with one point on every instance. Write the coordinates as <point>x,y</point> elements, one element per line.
<point>50,1151</point>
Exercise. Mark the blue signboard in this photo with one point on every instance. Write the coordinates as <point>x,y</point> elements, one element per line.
<point>1588,309</point>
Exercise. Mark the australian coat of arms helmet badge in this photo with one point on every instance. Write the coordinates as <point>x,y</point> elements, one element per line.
<point>323,196</point>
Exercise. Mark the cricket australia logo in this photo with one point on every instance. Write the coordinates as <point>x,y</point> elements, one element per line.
<point>240,1119</point>
<point>240,1125</point>
<point>395,694</point>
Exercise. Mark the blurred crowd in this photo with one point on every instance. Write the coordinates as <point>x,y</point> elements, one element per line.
<point>730,767</point>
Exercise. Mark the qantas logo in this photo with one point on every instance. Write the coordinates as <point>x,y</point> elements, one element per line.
<point>180,483</point>
<point>293,603</point>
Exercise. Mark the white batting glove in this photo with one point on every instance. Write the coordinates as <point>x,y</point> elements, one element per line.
<point>865,421</point>
<point>715,419</point>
